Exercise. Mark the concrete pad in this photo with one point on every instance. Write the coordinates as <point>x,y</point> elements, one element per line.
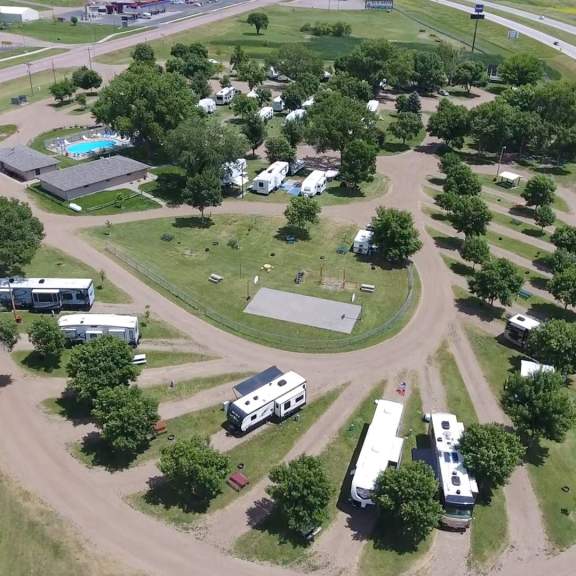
<point>307,310</point>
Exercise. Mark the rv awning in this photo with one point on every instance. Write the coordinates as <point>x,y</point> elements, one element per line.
<point>45,291</point>
<point>396,449</point>
<point>257,381</point>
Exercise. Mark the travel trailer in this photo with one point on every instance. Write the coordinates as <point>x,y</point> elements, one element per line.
<point>271,178</point>
<point>252,94</point>
<point>363,242</point>
<point>271,394</point>
<point>528,368</point>
<point>266,113</point>
<point>86,327</point>
<point>207,105</point>
<point>296,115</point>
<point>225,96</point>
<point>235,173</point>
<point>315,183</point>
<point>381,448</point>
<point>372,106</point>
<point>458,489</point>
<point>47,293</point>
<point>518,328</point>
<point>278,104</point>
<point>308,103</point>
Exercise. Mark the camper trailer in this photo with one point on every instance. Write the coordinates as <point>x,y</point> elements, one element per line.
<point>372,106</point>
<point>225,96</point>
<point>308,103</point>
<point>278,104</point>
<point>86,327</point>
<point>363,242</point>
<point>47,293</point>
<point>296,115</point>
<point>207,105</point>
<point>381,448</point>
<point>518,328</point>
<point>266,113</point>
<point>529,368</point>
<point>271,394</point>
<point>235,173</point>
<point>315,183</point>
<point>271,178</point>
<point>458,489</point>
<point>272,74</point>
<point>252,94</point>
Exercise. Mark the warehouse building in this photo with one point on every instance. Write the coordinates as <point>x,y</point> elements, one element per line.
<point>24,163</point>
<point>18,14</point>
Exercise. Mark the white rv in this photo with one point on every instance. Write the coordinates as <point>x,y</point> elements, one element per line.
<point>381,448</point>
<point>271,178</point>
<point>86,327</point>
<point>252,94</point>
<point>266,113</point>
<point>270,394</point>
<point>296,115</point>
<point>225,96</point>
<point>207,105</point>
<point>528,368</point>
<point>308,103</point>
<point>272,74</point>
<point>372,106</point>
<point>278,104</point>
<point>47,293</point>
<point>458,489</point>
<point>363,242</point>
<point>518,328</point>
<point>235,173</point>
<point>315,183</point>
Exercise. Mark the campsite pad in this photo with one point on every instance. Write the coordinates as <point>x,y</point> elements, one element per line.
<point>307,310</point>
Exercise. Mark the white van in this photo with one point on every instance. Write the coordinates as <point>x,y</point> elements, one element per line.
<point>314,184</point>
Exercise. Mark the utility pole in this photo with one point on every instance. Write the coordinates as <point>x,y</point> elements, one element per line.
<point>89,57</point>
<point>500,161</point>
<point>53,72</point>
<point>30,78</point>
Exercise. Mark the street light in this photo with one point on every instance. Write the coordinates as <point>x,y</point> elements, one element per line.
<point>28,64</point>
<point>499,162</point>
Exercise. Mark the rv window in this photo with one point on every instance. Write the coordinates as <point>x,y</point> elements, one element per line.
<point>253,417</point>
<point>300,398</point>
<point>287,405</point>
<point>66,296</point>
<point>455,457</point>
<point>80,296</point>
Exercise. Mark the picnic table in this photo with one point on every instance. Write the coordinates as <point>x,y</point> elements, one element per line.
<point>237,481</point>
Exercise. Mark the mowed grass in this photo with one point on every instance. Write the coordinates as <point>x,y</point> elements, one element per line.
<point>64,32</point>
<point>7,130</point>
<point>31,57</point>
<point>392,144</point>
<point>115,202</point>
<point>199,249</point>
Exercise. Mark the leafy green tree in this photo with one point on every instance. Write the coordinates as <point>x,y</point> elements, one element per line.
<point>554,343</point>
<point>469,215</point>
<point>561,259</point>
<point>564,237</point>
<point>255,131</point>
<point>450,123</point>
<point>309,83</point>
<point>126,418</point>
<point>492,125</point>
<point>278,148</point>
<point>225,81</point>
<point>301,492</point>
<point>475,249</point>
<point>428,71</point>
<point>529,133</point>
<point>401,103</point>
<point>413,104</point>
<point>408,497</point>
<point>47,338</point>
<point>544,216</point>
<point>294,131</point>
<point>143,53</point>
<point>8,332</point>
<point>406,126</point>
<point>469,74</point>
<point>460,180</point>
<point>192,62</point>
<point>252,73</point>
<point>350,86</point>
<point>520,69</point>
<point>563,286</point>
<point>238,57</point>
<point>497,279</point>
<point>86,79</point>
<point>295,61</point>
<point>81,100</point>
<point>259,20</point>
<point>63,90</point>
<point>539,191</point>
<point>448,161</point>
<point>203,190</point>
<point>450,54</point>
<point>243,106</point>
<point>358,163</point>
<point>99,364</point>
<point>194,470</point>
<point>540,405</point>
<point>264,95</point>
<point>395,234</point>
<point>21,233</point>
<point>293,96</point>
<point>302,212</point>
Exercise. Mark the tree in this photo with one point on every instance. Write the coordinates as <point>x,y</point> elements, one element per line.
<point>469,215</point>
<point>86,79</point>
<point>63,90</point>
<point>539,191</point>
<point>301,492</point>
<point>278,148</point>
<point>406,126</point>
<point>497,279</point>
<point>263,95</point>
<point>554,343</point>
<point>561,259</point>
<point>395,236</point>
<point>520,69</point>
<point>401,103</point>
<point>294,131</point>
<point>126,418</point>
<point>194,470</point>
<point>428,71</point>
<point>491,453</point>
<point>563,286</point>
<point>469,74</point>
<point>492,124</point>
<point>475,249</point>
<point>544,216</point>
<point>74,20</point>
<point>564,237</point>
<point>259,20</point>
<point>8,332</point>
<point>225,81</point>
<point>255,131</point>
<point>21,235</point>
<point>350,86</point>
<point>460,180</point>
<point>539,405</point>
<point>408,497</point>
<point>143,53</point>
<point>295,61</point>
<point>47,338</point>
<point>413,104</point>
<point>358,163</point>
<point>448,161</point>
<point>243,106</point>
<point>102,363</point>
<point>252,73</point>
<point>450,55</point>
<point>81,100</point>
<point>309,83</point>
<point>237,57</point>
<point>202,190</point>
<point>302,211</point>
<point>293,96</point>
<point>450,123</point>
<point>192,62</point>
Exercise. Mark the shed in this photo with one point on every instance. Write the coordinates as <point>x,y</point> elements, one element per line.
<point>509,179</point>
<point>84,179</point>
<point>18,14</point>
<point>24,163</point>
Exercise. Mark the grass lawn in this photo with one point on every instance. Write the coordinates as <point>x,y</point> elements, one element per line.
<point>38,143</point>
<point>106,202</point>
<point>7,130</point>
<point>155,329</point>
<point>514,224</point>
<point>516,246</point>
<point>259,455</point>
<point>413,428</point>
<point>64,32</point>
<point>30,58</point>
<point>392,144</point>
<point>199,249</point>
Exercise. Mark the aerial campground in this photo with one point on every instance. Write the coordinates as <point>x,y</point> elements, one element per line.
<point>287,287</point>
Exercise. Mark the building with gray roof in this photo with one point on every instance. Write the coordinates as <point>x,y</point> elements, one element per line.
<point>84,179</point>
<point>24,163</point>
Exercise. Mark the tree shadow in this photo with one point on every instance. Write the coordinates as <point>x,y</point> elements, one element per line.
<point>193,222</point>
<point>523,211</point>
<point>161,493</point>
<point>287,232</point>
<point>536,454</point>
<point>71,409</point>
<point>387,536</point>
<point>439,216</point>
<point>100,453</point>
<point>153,155</point>
<point>460,268</point>
<point>473,306</point>
<point>532,232</point>
<point>477,158</point>
<point>344,191</point>
<point>394,147</point>
<point>168,187</point>
<point>431,148</point>
<point>542,263</point>
<point>548,311</point>
<point>6,380</point>
<point>39,363</point>
<point>436,181</point>
<point>274,525</point>
<point>447,242</point>
<point>464,94</point>
<point>552,170</point>
<point>260,511</point>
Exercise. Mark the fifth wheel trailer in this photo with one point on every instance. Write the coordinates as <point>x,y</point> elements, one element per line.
<point>86,327</point>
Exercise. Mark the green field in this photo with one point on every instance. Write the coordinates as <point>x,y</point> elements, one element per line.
<point>64,32</point>
<point>393,145</point>
<point>32,57</point>
<point>6,130</point>
<point>199,249</point>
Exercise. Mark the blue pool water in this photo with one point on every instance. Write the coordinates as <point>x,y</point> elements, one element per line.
<point>87,146</point>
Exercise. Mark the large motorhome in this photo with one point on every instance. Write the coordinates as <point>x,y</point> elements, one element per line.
<point>270,179</point>
<point>381,449</point>
<point>458,489</point>
<point>47,293</point>
<point>518,328</point>
<point>271,394</point>
<point>86,327</point>
<point>225,96</point>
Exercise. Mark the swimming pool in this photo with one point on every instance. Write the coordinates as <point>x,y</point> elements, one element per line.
<point>89,146</point>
